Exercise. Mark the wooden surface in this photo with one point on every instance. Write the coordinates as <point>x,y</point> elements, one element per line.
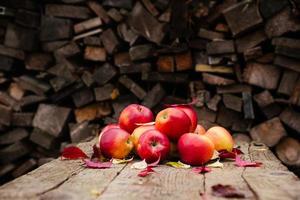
<point>67,179</point>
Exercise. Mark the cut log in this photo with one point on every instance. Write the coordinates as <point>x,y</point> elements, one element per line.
<point>262,133</point>
<point>109,40</point>
<point>270,7</point>
<point>94,53</point>
<point>242,17</point>
<point>126,4</point>
<point>51,119</point>
<point>263,98</point>
<point>43,139</point>
<point>13,152</point>
<point>55,29</point>
<point>38,61</point>
<point>11,52</point>
<point>213,69</point>
<point>213,102</point>
<point>92,112</point>
<point>87,25</point>
<point>133,87</point>
<point>13,136</point>
<point>210,35</point>
<point>272,110</point>
<point>216,80</point>
<point>256,74</point>
<point>6,63</point>
<point>67,11</point>
<point>166,64</point>
<point>220,47</point>
<point>24,168</point>
<point>282,23</point>
<point>227,117</point>
<point>288,151</point>
<point>83,97</point>
<point>80,131</point>
<point>145,24</point>
<point>104,73</point>
<point>27,18</point>
<point>235,88</point>
<point>154,96</point>
<point>288,63</point>
<point>22,119</point>
<point>98,10</point>
<point>165,77</point>
<point>291,118</point>
<point>288,82</point>
<point>232,102</point>
<point>250,40</point>
<point>140,52</point>
<point>183,61</point>
<point>248,106</point>
<point>115,15</point>
<point>5,115</point>
<point>136,68</point>
<point>107,92</point>
<point>122,59</point>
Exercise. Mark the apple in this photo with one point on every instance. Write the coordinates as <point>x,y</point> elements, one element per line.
<point>172,122</point>
<point>152,145</point>
<point>133,115</point>
<point>107,127</point>
<point>191,113</point>
<point>221,138</point>
<point>135,136</point>
<point>115,143</point>
<point>195,149</point>
<point>200,130</point>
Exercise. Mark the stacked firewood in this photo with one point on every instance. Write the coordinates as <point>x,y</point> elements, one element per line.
<point>67,67</point>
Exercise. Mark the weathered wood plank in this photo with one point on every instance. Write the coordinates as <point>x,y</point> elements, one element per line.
<point>167,183</point>
<point>272,180</point>
<point>229,175</point>
<point>45,178</point>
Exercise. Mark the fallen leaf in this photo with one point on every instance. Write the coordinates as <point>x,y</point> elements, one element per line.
<point>97,165</point>
<point>179,165</point>
<point>145,124</point>
<point>216,164</point>
<point>227,191</point>
<point>139,165</point>
<point>154,164</point>
<point>223,154</point>
<point>146,172</point>
<point>73,153</point>
<point>201,170</point>
<point>121,161</point>
<point>242,163</point>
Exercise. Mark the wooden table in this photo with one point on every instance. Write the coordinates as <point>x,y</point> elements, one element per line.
<point>68,179</point>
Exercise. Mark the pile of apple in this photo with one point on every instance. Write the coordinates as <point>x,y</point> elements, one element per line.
<point>174,131</point>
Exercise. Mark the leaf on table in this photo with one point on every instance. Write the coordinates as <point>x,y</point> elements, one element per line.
<point>201,170</point>
<point>146,172</point>
<point>97,165</point>
<point>227,191</point>
<point>179,165</point>
<point>121,161</point>
<point>73,153</point>
<point>237,151</point>
<point>242,163</point>
<point>154,164</point>
<point>139,165</point>
<point>223,154</point>
<point>216,164</point>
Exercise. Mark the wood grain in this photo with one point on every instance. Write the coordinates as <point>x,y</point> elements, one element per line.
<point>167,183</point>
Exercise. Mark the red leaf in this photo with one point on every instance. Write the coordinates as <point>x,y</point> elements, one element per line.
<point>242,163</point>
<point>201,170</point>
<point>223,154</point>
<point>146,172</point>
<point>97,165</point>
<point>193,102</point>
<point>73,153</point>
<point>154,164</point>
<point>227,191</point>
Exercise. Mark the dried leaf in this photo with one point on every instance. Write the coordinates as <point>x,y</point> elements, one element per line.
<point>224,154</point>
<point>201,170</point>
<point>97,165</point>
<point>73,153</point>
<point>179,165</point>
<point>146,172</point>
<point>154,164</point>
<point>237,151</point>
<point>227,191</point>
<point>145,124</point>
<point>139,165</point>
<point>216,164</point>
<point>242,163</point>
<point>121,161</point>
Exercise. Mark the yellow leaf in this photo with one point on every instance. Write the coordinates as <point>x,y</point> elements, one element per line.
<point>139,165</point>
<point>216,164</point>
<point>121,161</point>
<point>178,165</point>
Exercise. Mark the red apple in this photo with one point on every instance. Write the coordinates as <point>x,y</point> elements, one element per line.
<point>195,149</point>
<point>221,138</point>
<point>172,122</point>
<point>191,113</point>
<point>107,127</point>
<point>115,143</point>
<point>152,145</point>
<point>134,114</point>
<point>136,134</point>
<point>200,130</point>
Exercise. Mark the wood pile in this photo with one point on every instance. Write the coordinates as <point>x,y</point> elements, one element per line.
<point>67,67</point>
